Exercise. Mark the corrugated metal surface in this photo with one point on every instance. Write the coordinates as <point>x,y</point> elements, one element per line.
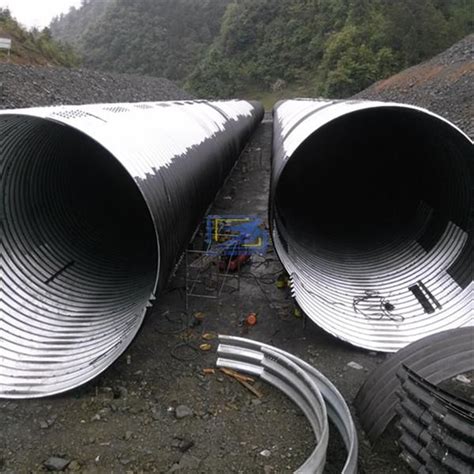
<point>303,384</point>
<point>97,202</point>
<point>372,216</point>
<point>436,427</point>
<point>435,358</point>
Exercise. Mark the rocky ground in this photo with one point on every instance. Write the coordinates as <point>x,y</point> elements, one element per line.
<point>155,410</point>
<point>29,86</point>
<point>444,85</point>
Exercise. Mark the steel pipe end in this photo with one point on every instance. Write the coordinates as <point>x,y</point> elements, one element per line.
<point>79,257</point>
<point>372,216</point>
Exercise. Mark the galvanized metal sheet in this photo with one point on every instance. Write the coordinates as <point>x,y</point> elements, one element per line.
<point>97,202</point>
<point>303,384</point>
<point>435,358</point>
<point>436,426</point>
<point>401,283</point>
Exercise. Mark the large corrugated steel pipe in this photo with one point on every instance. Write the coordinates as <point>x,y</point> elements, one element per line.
<point>97,202</point>
<point>372,216</point>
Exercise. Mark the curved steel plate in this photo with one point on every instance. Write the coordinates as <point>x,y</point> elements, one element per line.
<point>302,383</point>
<point>435,358</point>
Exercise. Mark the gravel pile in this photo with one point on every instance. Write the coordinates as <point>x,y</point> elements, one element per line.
<point>30,86</point>
<point>443,85</point>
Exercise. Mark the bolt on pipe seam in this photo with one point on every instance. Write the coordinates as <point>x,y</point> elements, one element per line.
<point>97,203</point>
<point>371,214</point>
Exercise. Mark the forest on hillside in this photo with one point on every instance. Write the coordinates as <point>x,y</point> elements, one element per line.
<point>165,38</point>
<point>34,46</point>
<point>224,48</point>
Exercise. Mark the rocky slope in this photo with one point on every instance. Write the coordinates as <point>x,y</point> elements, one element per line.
<point>444,85</point>
<point>28,86</point>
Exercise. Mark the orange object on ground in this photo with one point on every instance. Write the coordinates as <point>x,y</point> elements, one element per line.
<point>251,319</point>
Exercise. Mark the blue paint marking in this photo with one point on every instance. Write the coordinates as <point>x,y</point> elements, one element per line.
<point>236,235</point>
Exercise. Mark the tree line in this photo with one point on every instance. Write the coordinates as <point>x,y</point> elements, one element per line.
<point>224,48</point>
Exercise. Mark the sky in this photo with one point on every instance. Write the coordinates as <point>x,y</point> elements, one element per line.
<point>38,13</point>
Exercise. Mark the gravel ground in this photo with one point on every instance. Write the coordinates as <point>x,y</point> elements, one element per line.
<point>30,86</point>
<point>444,85</point>
<point>151,411</point>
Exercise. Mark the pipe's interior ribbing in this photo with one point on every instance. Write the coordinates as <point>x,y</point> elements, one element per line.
<point>373,179</point>
<point>80,254</point>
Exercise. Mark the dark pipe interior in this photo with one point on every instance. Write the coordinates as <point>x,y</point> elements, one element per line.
<point>358,182</point>
<point>73,196</point>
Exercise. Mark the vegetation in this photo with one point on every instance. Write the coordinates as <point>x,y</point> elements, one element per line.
<point>156,37</point>
<point>223,48</point>
<point>71,27</point>
<point>33,47</point>
<point>329,47</point>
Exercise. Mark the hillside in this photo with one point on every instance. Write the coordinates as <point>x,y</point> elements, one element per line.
<point>32,86</point>
<point>333,48</point>
<point>165,38</point>
<point>443,85</point>
<point>266,49</point>
<point>33,47</point>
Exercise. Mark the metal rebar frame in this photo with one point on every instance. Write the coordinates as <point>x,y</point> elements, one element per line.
<point>97,203</point>
<point>371,214</point>
<point>202,270</point>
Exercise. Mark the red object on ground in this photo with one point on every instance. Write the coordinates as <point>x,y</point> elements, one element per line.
<point>233,264</point>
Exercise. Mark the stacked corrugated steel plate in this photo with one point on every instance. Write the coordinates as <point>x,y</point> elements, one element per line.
<point>437,427</point>
<point>435,358</point>
<point>97,202</point>
<point>372,217</point>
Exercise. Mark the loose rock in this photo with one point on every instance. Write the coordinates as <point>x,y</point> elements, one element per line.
<point>31,86</point>
<point>44,425</point>
<point>56,464</point>
<point>182,444</point>
<point>120,392</point>
<point>74,466</point>
<point>183,411</point>
<point>355,365</point>
<point>187,462</point>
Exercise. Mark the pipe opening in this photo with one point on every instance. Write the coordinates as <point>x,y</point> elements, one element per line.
<point>371,217</point>
<point>80,255</point>
<point>372,179</point>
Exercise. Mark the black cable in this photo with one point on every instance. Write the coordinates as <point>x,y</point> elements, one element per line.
<point>382,307</point>
<point>184,326</point>
<point>179,321</point>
